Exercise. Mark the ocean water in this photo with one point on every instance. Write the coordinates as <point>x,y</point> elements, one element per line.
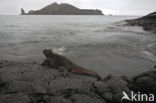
<point>100,43</point>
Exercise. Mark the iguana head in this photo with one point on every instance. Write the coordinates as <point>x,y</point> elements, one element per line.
<point>48,52</point>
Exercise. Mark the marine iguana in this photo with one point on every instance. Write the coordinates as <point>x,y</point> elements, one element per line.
<point>60,62</point>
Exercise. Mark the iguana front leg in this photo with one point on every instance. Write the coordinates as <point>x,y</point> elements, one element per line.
<point>45,63</point>
<point>50,63</point>
<point>64,72</point>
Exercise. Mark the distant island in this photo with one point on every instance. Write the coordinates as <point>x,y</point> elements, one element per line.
<point>62,9</point>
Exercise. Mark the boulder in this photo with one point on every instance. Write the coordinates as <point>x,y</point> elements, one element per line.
<point>145,82</point>
<point>111,88</point>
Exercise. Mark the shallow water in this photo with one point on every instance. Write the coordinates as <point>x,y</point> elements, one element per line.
<point>100,43</point>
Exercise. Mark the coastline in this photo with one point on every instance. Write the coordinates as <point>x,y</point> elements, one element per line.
<point>31,82</point>
<point>148,22</point>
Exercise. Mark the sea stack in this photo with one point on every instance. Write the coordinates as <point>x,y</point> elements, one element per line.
<point>22,11</point>
<point>63,9</point>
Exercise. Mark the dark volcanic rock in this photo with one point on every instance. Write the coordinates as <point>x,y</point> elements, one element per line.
<point>148,22</point>
<point>33,83</point>
<point>145,82</point>
<point>111,88</point>
<point>63,9</point>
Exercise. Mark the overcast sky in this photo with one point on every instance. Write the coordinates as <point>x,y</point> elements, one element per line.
<point>116,7</point>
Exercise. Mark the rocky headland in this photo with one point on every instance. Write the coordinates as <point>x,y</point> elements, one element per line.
<point>62,9</point>
<point>148,22</point>
<point>33,83</point>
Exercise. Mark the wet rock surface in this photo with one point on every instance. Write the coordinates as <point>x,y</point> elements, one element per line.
<point>33,83</point>
<point>145,82</point>
<point>148,22</point>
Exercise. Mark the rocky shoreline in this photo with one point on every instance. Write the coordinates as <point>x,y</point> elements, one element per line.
<point>34,83</point>
<point>148,22</point>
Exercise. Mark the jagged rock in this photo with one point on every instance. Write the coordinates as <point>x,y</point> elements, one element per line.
<point>39,89</point>
<point>145,82</point>
<point>33,83</point>
<point>151,15</point>
<point>18,86</point>
<point>81,98</point>
<point>60,99</point>
<point>108,96</point>
<point>64,9</point>
<point>15,98</point>
<point>69,85</point>
<point>148,22</point>
<point>111,88</point>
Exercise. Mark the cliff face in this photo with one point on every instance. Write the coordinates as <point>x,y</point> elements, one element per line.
<point>64,9</point>
<point>148,22</point>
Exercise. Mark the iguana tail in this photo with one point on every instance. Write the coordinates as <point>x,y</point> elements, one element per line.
<point>84,71</point>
